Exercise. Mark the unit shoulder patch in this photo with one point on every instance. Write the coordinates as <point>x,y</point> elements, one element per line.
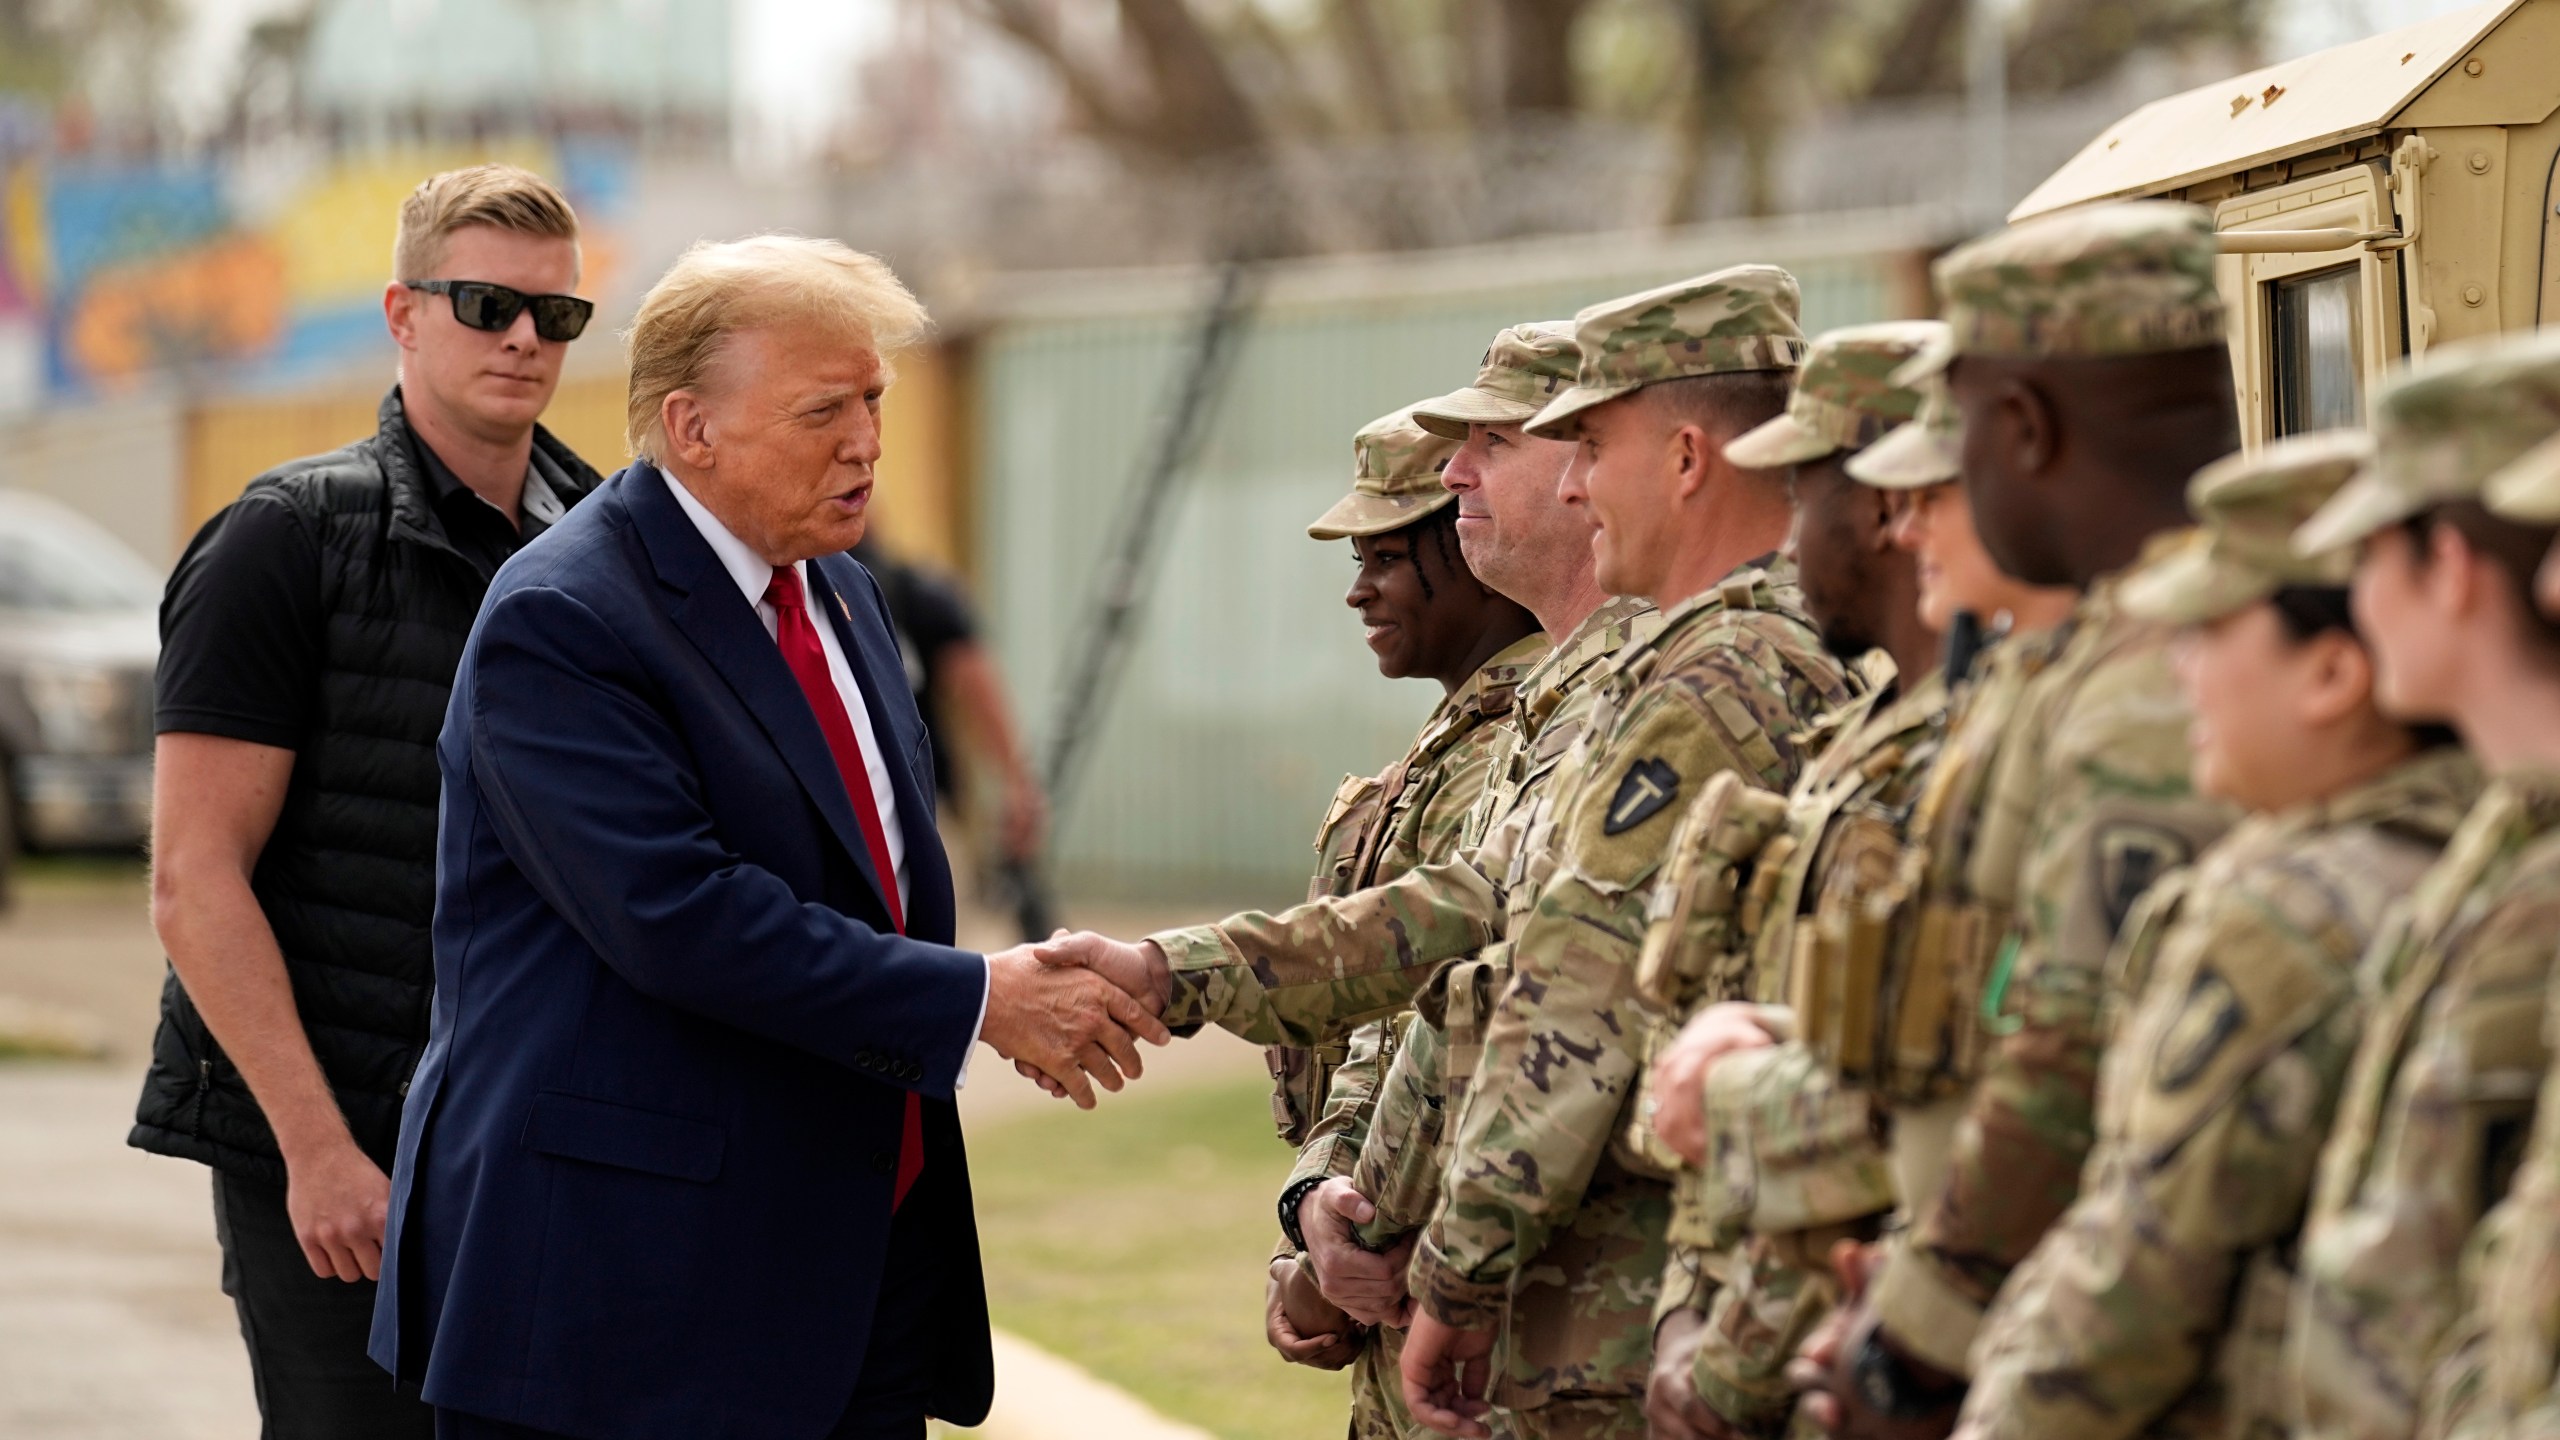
<point>2131,856</point>
<point>2212,1014</point>
<point>1648,785</point>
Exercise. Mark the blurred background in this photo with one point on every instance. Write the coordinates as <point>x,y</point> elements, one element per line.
<point>1177,250</point>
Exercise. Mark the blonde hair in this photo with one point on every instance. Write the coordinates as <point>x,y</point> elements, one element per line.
<point>717,289</point>
<point>502,196</point>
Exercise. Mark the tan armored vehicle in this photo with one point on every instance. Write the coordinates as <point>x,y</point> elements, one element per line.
<point>2373,199</point>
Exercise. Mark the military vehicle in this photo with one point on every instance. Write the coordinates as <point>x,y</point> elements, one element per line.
<point>2373,199</point>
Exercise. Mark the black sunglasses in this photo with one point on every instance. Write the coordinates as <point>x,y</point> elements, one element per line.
<point>484,306</point>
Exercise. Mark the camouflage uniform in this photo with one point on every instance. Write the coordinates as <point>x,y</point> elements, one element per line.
<point>1413,813</point>
<point>1818,1166</point>
<point>2501,1383</point>
<point>2086,803</point>
<point>1314,973</point>
<point>1410,813</point>
<point>2440,1097</point>
<point>1399,1160</point>
<point>2156,1304</point>
<point>1544,1234</point>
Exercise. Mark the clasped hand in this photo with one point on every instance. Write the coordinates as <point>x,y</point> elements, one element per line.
<point>1070,1026</point>
<point>1138,971</point>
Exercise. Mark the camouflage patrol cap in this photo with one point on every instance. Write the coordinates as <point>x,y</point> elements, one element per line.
<point>2464,413</point>
<point>2241,550</point>
<point>2132,278</point>
<point>1522,370</point>
<point>2528,491</point>
<point>1928,451</point>
<point>1739,318</point>
<point>1844,397</point>
<point>1395,479</point>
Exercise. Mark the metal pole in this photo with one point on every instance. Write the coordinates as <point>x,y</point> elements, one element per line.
<point>1986,111</point>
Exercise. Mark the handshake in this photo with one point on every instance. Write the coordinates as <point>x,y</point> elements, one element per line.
<point>1069,1011</point>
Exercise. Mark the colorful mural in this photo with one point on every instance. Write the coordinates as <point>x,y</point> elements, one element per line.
<point>140,270</point>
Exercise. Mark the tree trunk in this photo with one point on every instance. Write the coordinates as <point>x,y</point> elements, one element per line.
<point>1536,55</point>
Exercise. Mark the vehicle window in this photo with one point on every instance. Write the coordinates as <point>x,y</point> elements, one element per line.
<point>49,566</point>
<point>2315,321</point>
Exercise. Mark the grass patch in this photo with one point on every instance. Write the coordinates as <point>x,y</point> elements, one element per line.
<point>82,873</point>
<point>1131,1240</point>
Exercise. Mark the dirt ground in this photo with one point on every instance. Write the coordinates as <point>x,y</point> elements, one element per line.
<point>113,1325</point>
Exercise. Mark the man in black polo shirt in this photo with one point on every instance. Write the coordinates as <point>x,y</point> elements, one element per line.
<point>309,641</point>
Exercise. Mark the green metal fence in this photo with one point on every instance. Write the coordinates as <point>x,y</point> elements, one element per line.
<point>1249,694</point>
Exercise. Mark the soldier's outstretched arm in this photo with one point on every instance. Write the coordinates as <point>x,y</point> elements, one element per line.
<point>1316,973</point>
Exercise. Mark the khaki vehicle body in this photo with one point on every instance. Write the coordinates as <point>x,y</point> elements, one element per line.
<point>2374,199</point>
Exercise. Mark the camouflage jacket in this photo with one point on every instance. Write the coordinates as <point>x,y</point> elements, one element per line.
<point>1320,971</point>
<point>1398,1166</point>
<point>2155,1305</point>
<point>2087,803</point>
<point>2438,1102</point>
<point>1544,1231</point>
<point>1413,813</point>
<point>2497,1382</point>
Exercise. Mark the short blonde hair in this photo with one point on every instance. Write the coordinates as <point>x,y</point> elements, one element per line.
<point>718,289</point>
<point>502,196</point>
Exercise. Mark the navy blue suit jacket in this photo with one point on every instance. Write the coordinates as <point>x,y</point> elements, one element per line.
<point>643,1184</point>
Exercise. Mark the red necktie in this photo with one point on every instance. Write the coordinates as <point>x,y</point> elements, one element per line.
<point>797,634</point>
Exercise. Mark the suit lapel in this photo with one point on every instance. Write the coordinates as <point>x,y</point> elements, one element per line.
<point>723,626</point>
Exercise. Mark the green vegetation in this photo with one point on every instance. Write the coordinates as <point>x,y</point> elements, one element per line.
<point>1131,1240</point>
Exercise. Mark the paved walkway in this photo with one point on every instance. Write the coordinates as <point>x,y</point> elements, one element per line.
<point>113,1325</point>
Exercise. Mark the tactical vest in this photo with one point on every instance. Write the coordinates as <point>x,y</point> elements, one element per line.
<point>1758,894</point>
<point>1912,931</point>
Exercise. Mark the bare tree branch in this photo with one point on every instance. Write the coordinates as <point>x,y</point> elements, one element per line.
<point>1091,92</point>
<point>1200,111</point>
<point>1537,54</point>
<point>1373,69</point>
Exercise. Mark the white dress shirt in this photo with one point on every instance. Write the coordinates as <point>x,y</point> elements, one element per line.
<point>754,575</point>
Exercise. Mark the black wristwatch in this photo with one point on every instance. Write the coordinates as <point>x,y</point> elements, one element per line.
<point>1290,1200</point>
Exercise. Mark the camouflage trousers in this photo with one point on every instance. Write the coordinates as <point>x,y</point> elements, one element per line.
<point>1377,1391</point>
<point>1573,1418</point>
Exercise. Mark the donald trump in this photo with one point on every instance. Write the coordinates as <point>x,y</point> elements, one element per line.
<point>680,1160</point>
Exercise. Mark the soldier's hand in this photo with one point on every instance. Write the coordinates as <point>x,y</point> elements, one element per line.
<point>1139,969</point>
<point>1447,1372</point>
<point>1291,1306</point>
<point>1680,1072</point>
<point>1860,1385</point>
<point>1368,1286</point>
<point>1068,1025</point>
<point>1671,1404</point>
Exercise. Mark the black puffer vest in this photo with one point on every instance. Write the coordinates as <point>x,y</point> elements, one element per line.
<point>348,879</point>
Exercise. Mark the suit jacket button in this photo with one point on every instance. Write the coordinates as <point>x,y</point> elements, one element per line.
<point>913,1071</point>
<point>884,1161</point>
